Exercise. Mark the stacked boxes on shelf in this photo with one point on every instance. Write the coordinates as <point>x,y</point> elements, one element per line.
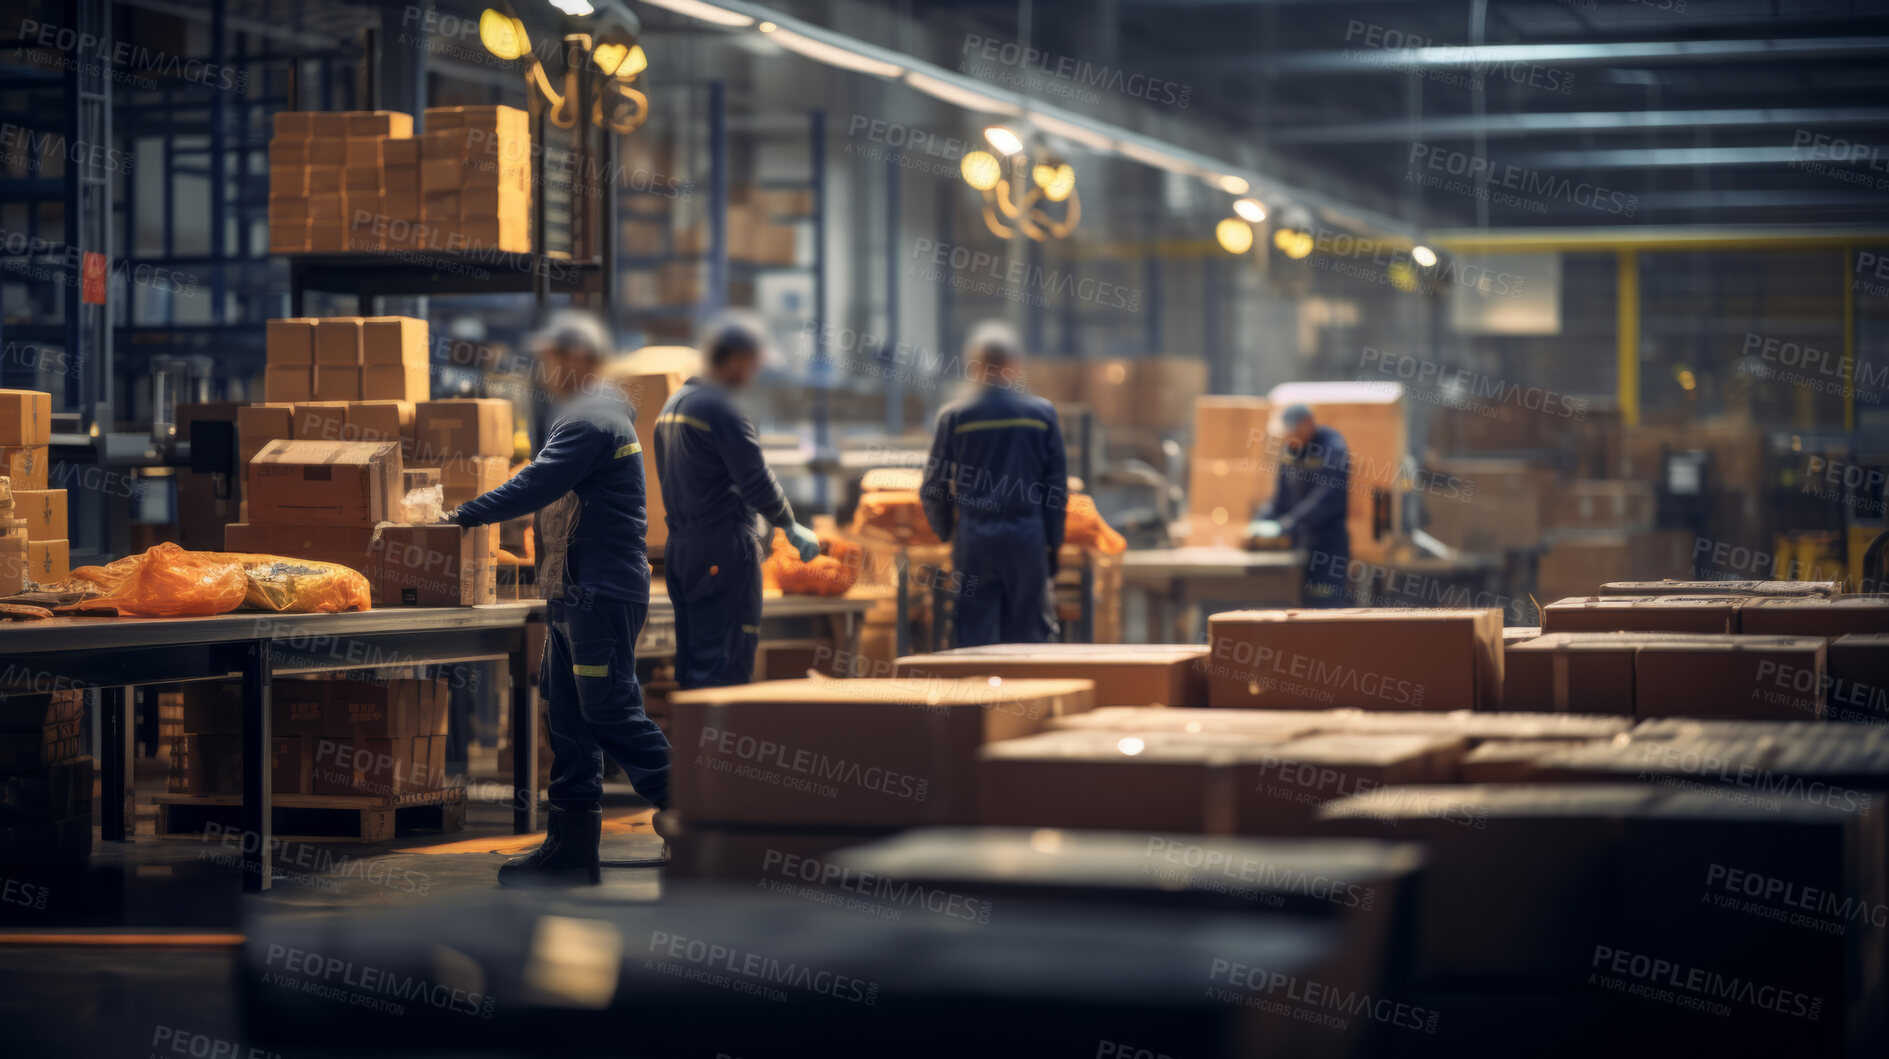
<point>33,542</point>
<point>475,179</point>
<point>326,179</point>
<point>316,498</point>
<point>346,358</point>
<point>376,737</point>
<point>45,778</point>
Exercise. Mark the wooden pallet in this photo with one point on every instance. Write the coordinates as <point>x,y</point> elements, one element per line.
<point>320,817</point>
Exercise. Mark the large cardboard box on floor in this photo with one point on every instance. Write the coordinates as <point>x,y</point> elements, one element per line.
<point>1675,587</point>
<point>1858,689</point>
<point>1570,673</point>
<point>1148,782</point>
<point>848,753</point>
<point>1276,790</point>
<point>1702,614</point>
<point>324,483</point>
<point>1370,658</point>
<point>1755,677</point>
<point>1124,674</point>
<point>460,427</point>
<point>1842,616</point>
<point>433,566</point>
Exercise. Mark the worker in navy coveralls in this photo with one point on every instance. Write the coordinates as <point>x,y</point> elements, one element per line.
<point>996,487</point>
<point>1308,504</point>
<point>586,486</point>
<point>717,490</point>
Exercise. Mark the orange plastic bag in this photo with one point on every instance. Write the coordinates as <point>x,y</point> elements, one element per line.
<point>301,586</point>
<point>165,582</point>
<point>1084,528</point>
<point>830,574</point>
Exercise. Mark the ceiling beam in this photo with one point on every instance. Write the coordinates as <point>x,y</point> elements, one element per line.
<point>1467,126</point>
<point>1362,57</point>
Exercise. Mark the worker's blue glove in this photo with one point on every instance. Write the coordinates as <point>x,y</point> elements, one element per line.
<point>802,539</point>
<point>1264,528</point>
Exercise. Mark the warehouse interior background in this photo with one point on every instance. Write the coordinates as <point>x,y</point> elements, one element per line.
<point>1597,292</point>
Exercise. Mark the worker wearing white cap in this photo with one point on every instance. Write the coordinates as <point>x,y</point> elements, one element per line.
<point>1309,501</point>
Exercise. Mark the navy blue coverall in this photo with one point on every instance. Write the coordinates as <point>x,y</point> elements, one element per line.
<point>586,485</point>
<point>714,482</point>
<point>996,486</point>
<point>1309,502</point>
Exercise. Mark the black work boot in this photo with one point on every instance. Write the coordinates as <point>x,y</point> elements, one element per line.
<point>568,856</point>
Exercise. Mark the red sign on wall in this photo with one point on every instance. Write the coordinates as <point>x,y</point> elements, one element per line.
<point>92,272</point>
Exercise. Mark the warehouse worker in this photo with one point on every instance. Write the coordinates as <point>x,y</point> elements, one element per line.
<point>996,486</point>
<point>1309,502</point>
<point>715,485</point>
<point>586,485</point>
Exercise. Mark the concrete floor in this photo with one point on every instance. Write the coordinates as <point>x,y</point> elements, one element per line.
<point>130,985</point>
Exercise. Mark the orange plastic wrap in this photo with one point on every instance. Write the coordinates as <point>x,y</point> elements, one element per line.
<point>170,582</point>
<point>1084,528</point>
<point>893,515</point>
<point>166,582</point>
<point>830,574</point>
<point>300,586</point>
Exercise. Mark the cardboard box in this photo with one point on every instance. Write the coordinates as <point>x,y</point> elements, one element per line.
<point>322,421</point>
<point>48,562</point>
<point>432,566</point>
<point>1124,674</point>
<point>417,478</point>
<point>213,707</point>
<point>1671,587</point>
<point>259,424</point>
<point>338,341</point>
<point>1570,673</point>
<point>1701,614</point>
<point>647,393</point>
<point>1485,505</point>
<point>848,753</point>
<point>467,426</point>
<point>213,764</point>
<point>390,123</point>
<point>383,421</point>
<point>402,152</point>
<point>395,382</point>
<point>1858,687</point>
<point>25,417</point>
<point>1602,505</point>
<point>380,768</point>
<point>1578,563</point>
<point>1507,760</point>
<point>472,476</point>
<point>349,546</point>
<point>1276,789</point>
<point>1144,781</point>
<point>1370,658</point>
<point>293,124</point>
<point>291,764</point>
<point>373,709</point>
<point>394,340</point>
<point>1750,677</point>
<point>297,707</point>
<point>288,383</point>
<point>1842,616</point>
<point>337,382</point>
<point>44,511</point>
<point>324,483</point>
<point>26,465</point>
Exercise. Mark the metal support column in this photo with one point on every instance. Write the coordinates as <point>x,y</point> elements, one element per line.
<point>258,786</point>
<point>822,397</point>
<point>717,197</point>
<point>894,391</point>
<point>1627,335</point>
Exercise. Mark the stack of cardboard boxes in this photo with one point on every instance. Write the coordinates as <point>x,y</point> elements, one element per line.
<point>326,179</point>
<point>346,358</point>
<point>475,179</point>
<point>378,738</point>
<point>469,441</point>
<point>352,181</point>
<point>33,535</point>
<point>319,500</point>
<point>45,778</point>
<point>1229,475</point>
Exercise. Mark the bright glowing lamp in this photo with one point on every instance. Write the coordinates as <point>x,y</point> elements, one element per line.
<point>1003,139</point>
<point>1235,235</point>
<point>1250,209</point>
<point>503,35</point>
<point>981,170</point>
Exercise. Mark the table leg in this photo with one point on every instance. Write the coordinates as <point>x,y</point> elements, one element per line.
<point>258,863</point>
<point>114,737</point>
<point>524,742</point>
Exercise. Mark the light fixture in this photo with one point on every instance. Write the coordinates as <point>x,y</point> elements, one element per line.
<point>1423,255</point>
<point>1235,235</point>
<point>1293,243</point>
<point>1003,139</point>
<point>956,94</point>
<point>767,27</point>
<point>503,35</point>
<point>1250,209</point>
<point>1057,181</point>
<point>614,51</point>
<point>981,170</point>
<point>833,54</point>
<point>1130,745</point>
<point>720,16</point>
<point>1233,185</point>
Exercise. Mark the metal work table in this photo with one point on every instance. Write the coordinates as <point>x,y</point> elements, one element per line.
<point>1176,581</point>
<point>112,654</point>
